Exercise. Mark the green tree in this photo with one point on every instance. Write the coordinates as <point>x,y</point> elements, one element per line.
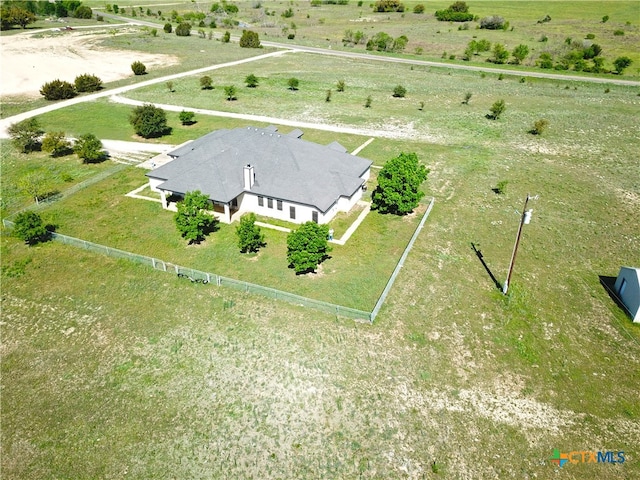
<point>89,148</point>
<point>467,97</point>
<point>250,39</point>
<point>56,144</point>
<point>149,121</point>
<point>58,90</point>
<point>186,118</point>
<point>206,83</point>
<point>293,83</point>
<point>184,29</point>
<point>35,184</point>
<point>83,12</point>
<point>307,247</point>
<point>168,28</point>
<point>26,135</point>
<point>87,83</point>
<point>340,86</point>
<point>250,237</point>
<point>621,63</point>
<point>226,37</point>
<point>170,86</point>
<point>193,220</point>
<point>251,80</point>
<point>398,191</point>
<point>496,110</point>
<point>545,60</point>
<point>28,226</point>
<point>230,93</point>
<point>14,15</point>
<point>138,68</point>
<point>419,8</point>
<point>520,53</point>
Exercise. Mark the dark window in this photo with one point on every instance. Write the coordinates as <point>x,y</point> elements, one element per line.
<point>261,201</point>
<point>270,202</point>
<point>292,212</point>
<point>314,216</point>
<point>279,204</point>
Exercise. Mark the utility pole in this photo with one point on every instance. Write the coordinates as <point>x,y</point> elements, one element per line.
<point>525,219</point>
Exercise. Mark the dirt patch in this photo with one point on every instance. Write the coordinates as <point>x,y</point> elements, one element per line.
<point>29,60</point>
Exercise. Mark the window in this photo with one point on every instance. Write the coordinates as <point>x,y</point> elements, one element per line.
<point>279,204</point>
<point>270,202</point>
<point>261,201</point>
<point>292,212</point>
<point>314,216</point>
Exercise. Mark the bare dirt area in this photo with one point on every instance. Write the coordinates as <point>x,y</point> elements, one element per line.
<point>29,60</point>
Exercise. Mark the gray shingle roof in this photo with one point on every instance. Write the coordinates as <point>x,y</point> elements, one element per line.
<point>286,167</point>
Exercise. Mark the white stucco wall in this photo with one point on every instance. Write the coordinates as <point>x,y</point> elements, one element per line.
<point>154,182</point>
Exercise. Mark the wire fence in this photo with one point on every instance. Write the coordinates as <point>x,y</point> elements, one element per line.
<point>197,276</point>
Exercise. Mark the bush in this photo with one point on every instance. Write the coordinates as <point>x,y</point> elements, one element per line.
<point>621,63</point>
<point>250,237</point>
<point>590,36</point>
<point>56,144</point>
<point>251,80</point>
<point>184,29</point>
<point>186,118</point>
<point>399,91</point>
<point>138,68</point>
<point>494,22</point>
<point>58,90</point>
<point>496,110</point>
<point>367,102</point>
<point>618,33</point>
<point>230,93</point>
<point>89,149</point>
<point>83,12</point>
<point>28,226</point>
<point>206,83</point>
<point>87,83</point>
<point>501,187</point>
<point>419,8</point>
<point>307,247</point>
<point>25,135</point>
<point>293,83</point>
<point>385,6</point>
<point>539,126</point>
<point>250,39</point>
<point>226,37</point>
<point>149,121</point>
<point>168,28</point>
<point>340,86</point>
<point>457,12</point>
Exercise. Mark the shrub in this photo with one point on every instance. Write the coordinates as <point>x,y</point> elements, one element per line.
<point>56,144</point>
<point>539,126</point>
<point>206,83</point>
<point>250,237</point>
<point>28,226</point>
<point>230,93</point>
<point>467,97</point>
<point>58,90</point>
<point>87,83</point>
<point>138,68</point>
<point>83,12</point>
<point>169,85</point>
<point>250,39</point>
<point>494,22</point>
<point>186,118</point>
<point>226,37</point>
<point>605,19</point>
<point>307,246</point>
<point>618,33</point>
<point>89,148</point>
<point>500,54</point>
<point>419,8</point>
<point>293,83</point>
<point>457,12</point>
<point>25,135</point>
<point>168,28</point>
<point>496,110</point>
<point>384,6</point>
<point>367,102</point>
<point>340,86</point>
<point>545,60</point>
<point>621,63</point>
<point>251,80</point>
<point>288,13</point>
<point>184,29</point>
<point>501,187</point>
<point>327,97</point>
<point>399,91</point>
<point>149,121</point>
<point>590,36</point>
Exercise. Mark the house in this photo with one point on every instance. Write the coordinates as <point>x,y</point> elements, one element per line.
<point>627,288</point>
<point>262,171</point>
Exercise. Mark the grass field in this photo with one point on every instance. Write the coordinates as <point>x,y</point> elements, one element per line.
<point>111,369</point>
